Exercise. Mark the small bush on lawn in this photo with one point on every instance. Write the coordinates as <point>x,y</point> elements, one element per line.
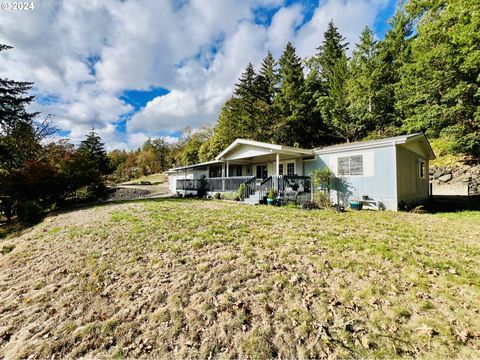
<point>202,187</point>
<point>30,212</point>
<point>321,199</point>
<point>217,196</point>
<point>231,196</point>
<point>309,205</point>
<point>241,192</point>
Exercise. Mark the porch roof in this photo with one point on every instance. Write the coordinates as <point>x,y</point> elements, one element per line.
<point>257,148</point>
<point>194,166</point>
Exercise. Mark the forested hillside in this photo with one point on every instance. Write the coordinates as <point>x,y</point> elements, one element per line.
<point>423,76</point>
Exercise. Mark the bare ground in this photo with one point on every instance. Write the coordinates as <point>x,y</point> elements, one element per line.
<point>186,278</point>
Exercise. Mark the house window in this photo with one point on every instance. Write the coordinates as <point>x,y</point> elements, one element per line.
<point>350,165</point>
<point>280,169</point>
<point>356,165</point>
<point>421,169</point>
<point>343,166</point>
<point>215,171</point>
<point>235,170</point>
<point>291,169</point>
<point>262,171</point>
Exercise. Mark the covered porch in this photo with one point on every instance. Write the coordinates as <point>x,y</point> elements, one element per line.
<point>260,166</point>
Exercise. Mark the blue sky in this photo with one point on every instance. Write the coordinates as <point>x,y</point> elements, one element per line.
<point>135,70</point>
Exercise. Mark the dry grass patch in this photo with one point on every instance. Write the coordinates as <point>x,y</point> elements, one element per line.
<point>187,278</point>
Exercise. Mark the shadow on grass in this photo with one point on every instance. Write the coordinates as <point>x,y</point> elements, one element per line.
<point>17,227</point>
<point>444,204</point>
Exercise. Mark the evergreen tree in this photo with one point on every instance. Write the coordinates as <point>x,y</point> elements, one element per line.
<point>439,89</point>
<point>289,100</point>
<point>392,52</point>
<point>19,139</point>
<point>362,84</point>
<point>265,112</point>
<point>246,90</point>
<point>332,99</point>
<point>92,151</point>
<point>334,105</point>
<point>267,79</point>
<point>332,49</point>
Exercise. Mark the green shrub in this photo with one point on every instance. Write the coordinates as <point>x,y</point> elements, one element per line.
<point>272,193</point>
<point>217,196</point>
<point>322,199</point>
<point>241,192</point>
<point>231,196</point>
<point>202,187</point>
<point>30,212</point>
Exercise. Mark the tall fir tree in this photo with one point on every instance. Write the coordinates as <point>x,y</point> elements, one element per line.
<point>246,90</point>
<point>267,79</point>
<point>362,84</point>
<point>332,49</point>
<point>267,87</point>
<point>92,151</point>
<point>332,99</point>
<point>289,100</point>
<point>392,52</point>
<point>19,140</point>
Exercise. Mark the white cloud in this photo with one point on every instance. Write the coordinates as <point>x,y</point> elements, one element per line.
<point>282,28</point>
<point>85,53</point>
<point>350,16</point>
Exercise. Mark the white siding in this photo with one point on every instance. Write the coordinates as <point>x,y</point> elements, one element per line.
<point>368,162</point>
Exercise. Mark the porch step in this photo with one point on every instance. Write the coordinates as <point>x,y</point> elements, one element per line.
<point>253,199</point>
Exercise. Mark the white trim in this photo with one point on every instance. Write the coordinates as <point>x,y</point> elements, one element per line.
<point>272,147</point>
<point>373,144</point>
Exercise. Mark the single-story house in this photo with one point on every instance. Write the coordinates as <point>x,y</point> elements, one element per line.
<point>387,172</point>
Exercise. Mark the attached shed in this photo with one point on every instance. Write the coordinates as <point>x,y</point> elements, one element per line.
<point>392,171</point>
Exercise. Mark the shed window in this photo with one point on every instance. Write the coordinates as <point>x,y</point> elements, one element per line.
<point>350,165</point>
<point>291,169</point>
<point>421,169</point>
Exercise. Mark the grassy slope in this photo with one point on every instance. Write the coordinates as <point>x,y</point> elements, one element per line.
<point>206,278</point>
<point>154,179</point>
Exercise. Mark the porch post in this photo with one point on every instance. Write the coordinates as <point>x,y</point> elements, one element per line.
<point>228,170</point>
<point>223,177</point>
<point>277,165</point>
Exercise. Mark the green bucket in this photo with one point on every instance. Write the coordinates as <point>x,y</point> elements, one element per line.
<point>356,205</point>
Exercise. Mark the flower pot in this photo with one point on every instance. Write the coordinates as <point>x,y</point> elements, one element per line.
<point>269,201</point>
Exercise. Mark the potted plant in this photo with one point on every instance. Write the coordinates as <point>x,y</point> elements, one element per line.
<point>271,196</point>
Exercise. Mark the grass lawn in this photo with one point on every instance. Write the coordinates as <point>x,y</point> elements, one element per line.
<point>189,278</point>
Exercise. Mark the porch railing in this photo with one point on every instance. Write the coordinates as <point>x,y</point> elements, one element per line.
<point>188,184</point>
<point>214,184</point>
<point>265,186</point>
<point>226,183</point>
<point>250,187</point>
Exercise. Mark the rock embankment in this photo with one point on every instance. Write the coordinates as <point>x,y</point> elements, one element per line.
<point>467,176</point>
<point>128,194</point>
